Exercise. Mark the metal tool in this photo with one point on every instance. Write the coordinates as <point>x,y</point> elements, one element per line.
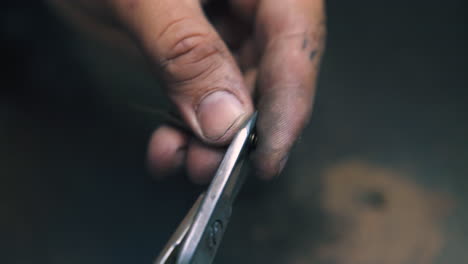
<point>199,235</point>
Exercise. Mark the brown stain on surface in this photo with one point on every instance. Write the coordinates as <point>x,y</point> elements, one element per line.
<point>377,215</point>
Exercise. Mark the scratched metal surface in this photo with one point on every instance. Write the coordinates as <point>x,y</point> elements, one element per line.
<point>380,175</point>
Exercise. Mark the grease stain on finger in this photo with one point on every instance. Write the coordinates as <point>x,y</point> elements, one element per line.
<point>304,43</point>
<point>313,54</point>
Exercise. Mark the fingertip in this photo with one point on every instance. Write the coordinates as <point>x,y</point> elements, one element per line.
<point>202,161</point>
<point>220,114</point>
<point>167,150</point>
<point>268,166</point>
<point>277,132</point>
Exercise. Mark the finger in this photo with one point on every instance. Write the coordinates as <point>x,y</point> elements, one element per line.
<point>250,77</point>
<point>202,161</point>
<point>232,30</point>
<point>229,25</point>
<point>248,55</point>
<point>245,8</point>
<point>202,77</point>
<point>291,33</point>
<point>167,151</point>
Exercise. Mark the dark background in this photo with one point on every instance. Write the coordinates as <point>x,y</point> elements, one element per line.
<point>73,183</point>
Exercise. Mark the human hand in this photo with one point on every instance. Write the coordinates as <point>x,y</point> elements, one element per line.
<point>252,54</point>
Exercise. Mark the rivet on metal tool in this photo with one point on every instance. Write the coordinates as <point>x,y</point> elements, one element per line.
<point>253,140</point>
<point>214,237</point>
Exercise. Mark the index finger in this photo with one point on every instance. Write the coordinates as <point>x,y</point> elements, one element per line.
<point>291,33</point>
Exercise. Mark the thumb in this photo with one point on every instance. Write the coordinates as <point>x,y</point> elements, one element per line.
<point>201,76</point>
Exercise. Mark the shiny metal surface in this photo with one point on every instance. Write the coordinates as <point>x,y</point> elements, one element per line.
<point>198,237</point>
<point>169,252</point>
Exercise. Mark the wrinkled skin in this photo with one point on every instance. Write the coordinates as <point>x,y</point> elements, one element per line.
<point>249,54</point>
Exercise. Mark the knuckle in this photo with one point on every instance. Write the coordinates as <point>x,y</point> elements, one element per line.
<point>192,55</point>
